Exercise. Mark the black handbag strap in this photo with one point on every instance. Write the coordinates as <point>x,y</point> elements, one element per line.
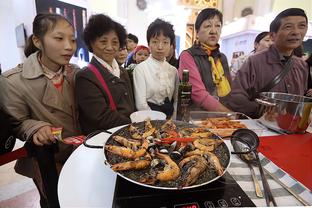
<point>278,77</point>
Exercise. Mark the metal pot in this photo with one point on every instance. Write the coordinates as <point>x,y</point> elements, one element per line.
<point>285,112</point>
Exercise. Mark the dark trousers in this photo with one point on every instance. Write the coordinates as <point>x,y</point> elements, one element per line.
<point>166,108</point>
<point>48,173</point>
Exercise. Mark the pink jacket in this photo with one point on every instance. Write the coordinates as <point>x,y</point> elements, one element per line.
<point>200,96</point>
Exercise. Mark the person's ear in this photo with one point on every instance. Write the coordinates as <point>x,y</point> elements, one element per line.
<point>37,42</point>
<point>256,45</point>
<point>273,36</point>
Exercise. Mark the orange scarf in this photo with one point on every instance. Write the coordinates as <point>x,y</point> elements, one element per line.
<point>218,77</point>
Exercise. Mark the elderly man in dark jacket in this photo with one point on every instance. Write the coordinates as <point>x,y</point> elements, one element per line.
<point>288,30</point>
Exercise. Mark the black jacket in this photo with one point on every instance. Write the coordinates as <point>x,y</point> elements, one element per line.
<point>93,103</point>
<point>204,66</point>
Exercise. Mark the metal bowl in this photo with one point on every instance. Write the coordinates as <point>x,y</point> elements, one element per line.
<point>286,112</point>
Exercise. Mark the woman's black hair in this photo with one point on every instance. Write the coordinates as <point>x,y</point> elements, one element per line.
<point>276,23</point>
<point>133,37</point>
<point>41,25</point>
<point>100,24</point>
<point>260,36</point>
<point>205,14</point>
<point>158,27</point>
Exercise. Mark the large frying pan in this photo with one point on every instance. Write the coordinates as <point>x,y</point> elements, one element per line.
<point>209,175</point>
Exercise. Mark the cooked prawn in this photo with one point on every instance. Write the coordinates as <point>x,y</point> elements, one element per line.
<point>195,152</point>
<point>135,133</point>
<point>131,165</point>
<point>126,142</point>
<point>171,170</point>
<point>212,159</point>
<point>127,152</point>
<point>149,129</point>
<point>188,159</point>
<point>207,144</point>
<point>201,134</point>
<point>168,125</point>
<point>192,167</point>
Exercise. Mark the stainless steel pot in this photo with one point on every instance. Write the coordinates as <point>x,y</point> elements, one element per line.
<point>285,112</point>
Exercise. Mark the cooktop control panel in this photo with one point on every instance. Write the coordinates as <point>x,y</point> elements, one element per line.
<point>224,192</point>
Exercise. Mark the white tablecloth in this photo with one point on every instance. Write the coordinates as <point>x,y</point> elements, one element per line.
<point>85,181</point>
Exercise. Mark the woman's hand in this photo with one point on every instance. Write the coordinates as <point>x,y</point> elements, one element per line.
<point>43,136</point>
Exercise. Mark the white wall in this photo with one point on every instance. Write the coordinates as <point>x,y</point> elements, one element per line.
<point>138,21</point>
<point>239,35</point>
<point>134,26</point>
<point>243,41</point>
<point>13,13</point>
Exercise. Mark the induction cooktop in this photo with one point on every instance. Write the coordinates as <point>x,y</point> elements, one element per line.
<point>224,192</point>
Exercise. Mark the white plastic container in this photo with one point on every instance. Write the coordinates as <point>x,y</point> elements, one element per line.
<point>140,116</point>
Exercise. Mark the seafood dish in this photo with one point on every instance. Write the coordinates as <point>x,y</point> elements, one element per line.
<point>222,123</point>
<point>167,154</point>
<point>222,126</point>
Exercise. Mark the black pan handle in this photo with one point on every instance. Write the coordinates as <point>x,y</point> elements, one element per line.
<point>92,134</point>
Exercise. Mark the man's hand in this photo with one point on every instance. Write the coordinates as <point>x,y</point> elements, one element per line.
<point>43,136</point>
<point>309,93</point>
<point>222,108</point>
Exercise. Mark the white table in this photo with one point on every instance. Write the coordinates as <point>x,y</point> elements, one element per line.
<point>85,181</point>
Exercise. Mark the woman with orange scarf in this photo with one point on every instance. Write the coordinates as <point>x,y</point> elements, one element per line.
<point>208,67</point>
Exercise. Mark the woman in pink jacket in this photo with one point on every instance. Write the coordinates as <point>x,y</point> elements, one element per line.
<point>208,67</point>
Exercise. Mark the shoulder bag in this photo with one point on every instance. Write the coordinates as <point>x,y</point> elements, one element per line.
<point>104,85</point>
<point>253,94</point>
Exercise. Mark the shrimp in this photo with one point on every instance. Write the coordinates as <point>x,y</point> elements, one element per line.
<point>212,159</point>
<point>192,167</point>
<point>195,152</point>
<point>149,129</point>
<point>196,132</point>
<point>188,159</point>
<point>201,134</point>
<point>121,151</point>
<point>171,170</point>
<point>126,142</point>
<point>127,152</point>
<point>207,144</point>
<point>131,165</point>
<point>135,133</point>
<point>169,125</point>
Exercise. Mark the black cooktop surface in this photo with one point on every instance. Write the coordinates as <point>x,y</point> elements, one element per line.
<point>224,192</point>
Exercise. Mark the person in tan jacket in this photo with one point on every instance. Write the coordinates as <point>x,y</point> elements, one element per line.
<point>38,94</point>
